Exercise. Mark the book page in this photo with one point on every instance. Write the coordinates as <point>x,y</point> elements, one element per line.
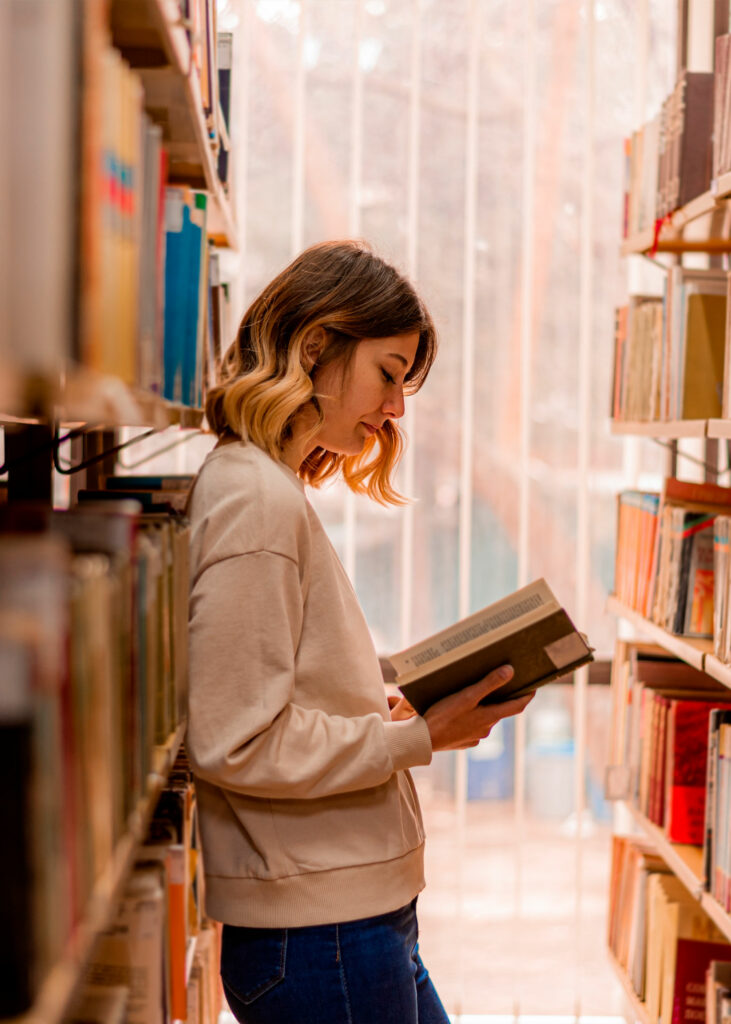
<point>502,618</point>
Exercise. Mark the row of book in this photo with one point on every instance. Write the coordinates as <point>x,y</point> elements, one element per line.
<point>100,171</point>
<point>145,268</point>
<point>670,755</point>
<point>211,55</point>
<point>669,160</point>
<point>660,738</point>
<point>661,938</point>
<point>93,642</point>
<point>672,561</point>
<point>670,351</point>
<point>157,961</point>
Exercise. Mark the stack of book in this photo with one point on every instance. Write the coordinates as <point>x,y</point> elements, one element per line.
<point>659,934</point>
<point>93,641</point>
<point>670,352</point>
<point>668,549</point>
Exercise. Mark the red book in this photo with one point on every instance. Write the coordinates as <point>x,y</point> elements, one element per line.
<point>687,753</point>
<point>693,959</point>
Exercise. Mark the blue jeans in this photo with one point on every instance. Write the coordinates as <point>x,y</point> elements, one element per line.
<point>360,972</point>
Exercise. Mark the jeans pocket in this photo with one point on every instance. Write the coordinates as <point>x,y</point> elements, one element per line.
<point>252,960</point>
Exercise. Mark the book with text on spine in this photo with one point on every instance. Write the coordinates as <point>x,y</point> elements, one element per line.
<point>528,630</point>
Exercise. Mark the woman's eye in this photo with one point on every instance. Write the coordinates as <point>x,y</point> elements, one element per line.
<point>387,376</point>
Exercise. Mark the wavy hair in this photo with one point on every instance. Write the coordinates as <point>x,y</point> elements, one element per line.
<point>349,293</point>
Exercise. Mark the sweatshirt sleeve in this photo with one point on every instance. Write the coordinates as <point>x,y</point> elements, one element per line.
<point>246,733</point>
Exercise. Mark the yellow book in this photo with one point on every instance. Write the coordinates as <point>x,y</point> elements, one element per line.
<point>705,343</point>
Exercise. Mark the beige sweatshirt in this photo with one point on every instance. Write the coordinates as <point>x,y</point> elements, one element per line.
<point>307,812</point>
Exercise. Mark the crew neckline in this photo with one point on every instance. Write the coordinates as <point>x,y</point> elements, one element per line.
<point>248,447</point>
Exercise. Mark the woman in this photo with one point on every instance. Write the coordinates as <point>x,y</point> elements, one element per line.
<point>311,831</point>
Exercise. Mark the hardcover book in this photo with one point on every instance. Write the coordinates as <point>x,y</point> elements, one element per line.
<point>528,630</point>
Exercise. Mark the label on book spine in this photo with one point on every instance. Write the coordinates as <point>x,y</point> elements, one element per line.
<point>566,650</point>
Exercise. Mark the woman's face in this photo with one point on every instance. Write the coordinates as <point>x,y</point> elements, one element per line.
<point>357,399</point>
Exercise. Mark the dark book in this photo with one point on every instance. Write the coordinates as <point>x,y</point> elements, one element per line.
<point>225,53</point>
<point>528,630</point>
<point>17,924</point>
<point>691,145</point>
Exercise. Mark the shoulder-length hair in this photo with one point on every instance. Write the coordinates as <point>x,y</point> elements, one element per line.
<point>348,293</point>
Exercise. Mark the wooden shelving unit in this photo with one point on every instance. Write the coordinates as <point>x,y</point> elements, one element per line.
<point>60,986</point>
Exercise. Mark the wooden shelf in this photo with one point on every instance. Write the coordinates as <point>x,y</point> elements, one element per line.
<point>668,430</point>
<point>639,243</point>
<point>150,34</point>
<point>686,862</point>
<point>717,669</point>
<point>62,982</point>
<point>671,234</point>
<point>723,185</point>
<point>694,652</point>
<point>84,396</point>
<point>638,1008</point>
<point>720,429</point>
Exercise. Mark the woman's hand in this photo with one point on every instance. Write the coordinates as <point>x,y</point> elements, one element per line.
<point>460,721</point>
<point>400,708</point>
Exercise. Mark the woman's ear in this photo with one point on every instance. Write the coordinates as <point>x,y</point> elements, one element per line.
<point>312,348</point>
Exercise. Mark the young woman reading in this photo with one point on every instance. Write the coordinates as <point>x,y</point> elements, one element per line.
<point>310,825</point>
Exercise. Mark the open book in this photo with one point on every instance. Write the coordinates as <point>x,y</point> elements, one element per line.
<point>528,630</point>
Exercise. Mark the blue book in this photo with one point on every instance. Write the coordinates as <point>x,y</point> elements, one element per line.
<point>185,238</point>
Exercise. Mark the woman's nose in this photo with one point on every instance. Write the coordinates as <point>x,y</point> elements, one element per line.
<point>394,404</point>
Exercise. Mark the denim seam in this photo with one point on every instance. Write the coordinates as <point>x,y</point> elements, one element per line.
<point>343,979</point>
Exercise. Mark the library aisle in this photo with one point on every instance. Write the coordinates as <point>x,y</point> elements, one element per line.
<point>555,177</point>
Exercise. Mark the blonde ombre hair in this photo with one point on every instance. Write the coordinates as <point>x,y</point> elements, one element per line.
<point>344,292</point>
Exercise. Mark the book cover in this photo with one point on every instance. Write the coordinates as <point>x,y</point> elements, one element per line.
<point>694,611</point>
<point>529,630</point>
<point>687,761</point>
<point>705,344</point>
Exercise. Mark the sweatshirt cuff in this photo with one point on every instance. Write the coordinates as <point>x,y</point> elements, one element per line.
<point>409,742</point>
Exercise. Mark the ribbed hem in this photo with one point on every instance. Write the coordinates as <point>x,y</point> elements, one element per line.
<point>324,897</point>
<point>409,742</point>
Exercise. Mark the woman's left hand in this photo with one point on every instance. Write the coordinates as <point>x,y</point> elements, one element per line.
<point>400,708</point>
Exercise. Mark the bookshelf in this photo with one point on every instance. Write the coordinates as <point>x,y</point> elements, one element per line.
<point>157,89</point>
<point>61,984</point>
<point>701,227</point>
<point>145,28</point>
